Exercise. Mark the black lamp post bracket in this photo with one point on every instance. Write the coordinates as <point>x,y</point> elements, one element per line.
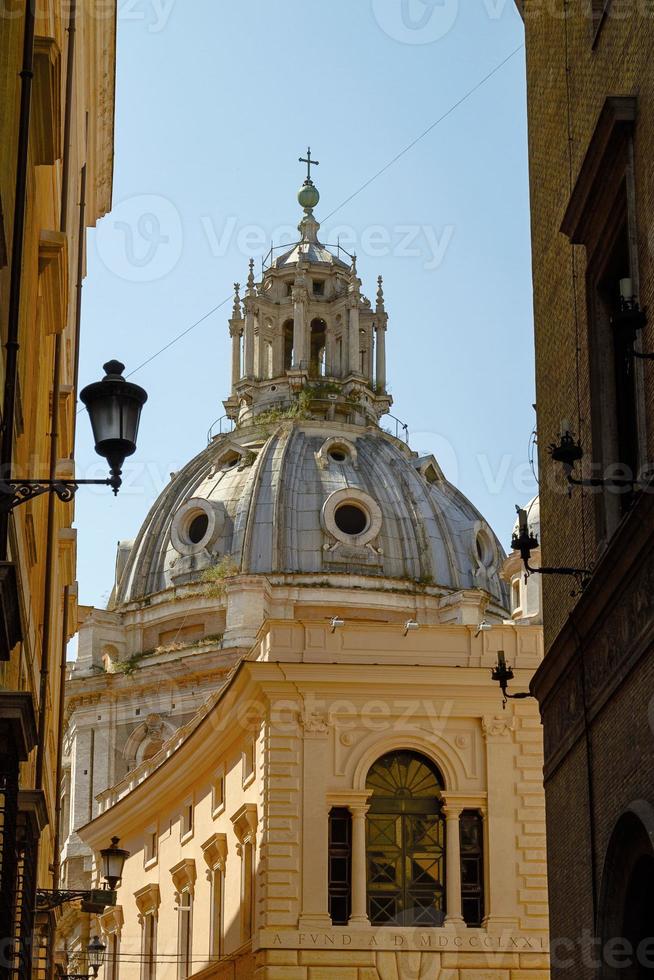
<point>15,492</point>
<point>48,899</point>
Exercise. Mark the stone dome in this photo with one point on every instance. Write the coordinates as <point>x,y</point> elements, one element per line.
<point>313,498</point>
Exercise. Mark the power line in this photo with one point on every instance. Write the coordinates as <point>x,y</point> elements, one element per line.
<point>180,335</point>
<point>440,119</point>
<point>398,156</point>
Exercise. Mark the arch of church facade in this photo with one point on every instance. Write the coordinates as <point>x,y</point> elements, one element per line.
<point>435,748</point>
<point>152,732</point>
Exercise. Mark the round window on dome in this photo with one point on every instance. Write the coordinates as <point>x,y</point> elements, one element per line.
<point>337,454</point>
<point>351,519</point>
<point>198,528</point>
<point>485,550</point>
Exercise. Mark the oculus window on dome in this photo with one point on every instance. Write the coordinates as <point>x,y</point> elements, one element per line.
<point>114,406</point>
<point>351,519</point>
<point>197,526</point>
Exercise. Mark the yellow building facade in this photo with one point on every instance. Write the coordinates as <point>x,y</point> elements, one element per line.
<point>350,799</point>
<point>57,65</point>
<point>251,843</point>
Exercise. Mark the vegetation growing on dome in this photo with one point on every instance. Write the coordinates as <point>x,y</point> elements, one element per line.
<point>214,578</point>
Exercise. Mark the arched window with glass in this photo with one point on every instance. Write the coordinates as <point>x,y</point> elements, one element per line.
<point>405,841</point>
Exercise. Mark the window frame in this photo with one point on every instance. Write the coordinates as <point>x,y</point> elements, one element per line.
<point>407,812</point>
<point>185,933</point>
<point>602,201</point>
<point>476,892</point>
<point>216,937</point>
<point>339,851</point>
<point>249,763</point>
<point>149,946</point>
<point>151,846</point>
<point>187,820</point>
<point>218,795</point>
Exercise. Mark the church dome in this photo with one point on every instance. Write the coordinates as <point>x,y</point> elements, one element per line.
<point>314,498</point>
<point>309,484</point>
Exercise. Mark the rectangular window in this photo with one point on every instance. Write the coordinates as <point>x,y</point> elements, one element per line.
<point>149,947</point>
<point>247,891</point>
<point>184,935</point>
<point>602,216</point>
<point>113,954</point>
<point>613,376</point>
<point>151,849</point>
<point>472,867</point>
<point>249,758</point>
<point>340,865</point>
<point>218,794</point>
<point>216,913</point>
<point>187,820</point>
<point>515,593</point>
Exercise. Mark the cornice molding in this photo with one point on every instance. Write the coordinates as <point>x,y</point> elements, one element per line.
<point>113,920</point>
<point>148,899</point>
<point>244,822</point>
<point>184,875</point>
<point>214,852</point>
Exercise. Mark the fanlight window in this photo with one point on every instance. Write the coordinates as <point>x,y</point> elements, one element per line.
<point>405,842</point>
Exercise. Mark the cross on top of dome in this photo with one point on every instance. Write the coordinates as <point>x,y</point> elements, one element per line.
<point>308,195</point>
<point>310,163</point>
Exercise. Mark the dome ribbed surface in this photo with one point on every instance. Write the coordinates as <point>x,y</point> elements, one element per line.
<point>271,504</point>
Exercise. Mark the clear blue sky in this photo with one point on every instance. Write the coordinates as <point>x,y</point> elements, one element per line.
<point>215,102</point>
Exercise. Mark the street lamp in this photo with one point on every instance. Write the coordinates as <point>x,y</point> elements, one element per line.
<point>114,406</point>
<point>525,541</point>
<point>94,900</point>
<point>113,862</point>
<point>502,673</point>
<point>95,952</point>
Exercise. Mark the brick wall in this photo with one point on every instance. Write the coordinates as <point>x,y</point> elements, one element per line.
<point>618,65</point>
<point>595,703</point>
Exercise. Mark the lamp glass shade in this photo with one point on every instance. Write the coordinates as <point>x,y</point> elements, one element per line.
<point>113,862</point>
<point>96,950</point>
<point>114,406</point>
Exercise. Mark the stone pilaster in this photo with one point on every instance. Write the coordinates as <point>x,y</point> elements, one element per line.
<point>315,731</point>
<point>359,912</point>
<point>502,891</point>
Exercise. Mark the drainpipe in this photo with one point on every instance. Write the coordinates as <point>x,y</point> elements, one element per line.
<point>18,239</point>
